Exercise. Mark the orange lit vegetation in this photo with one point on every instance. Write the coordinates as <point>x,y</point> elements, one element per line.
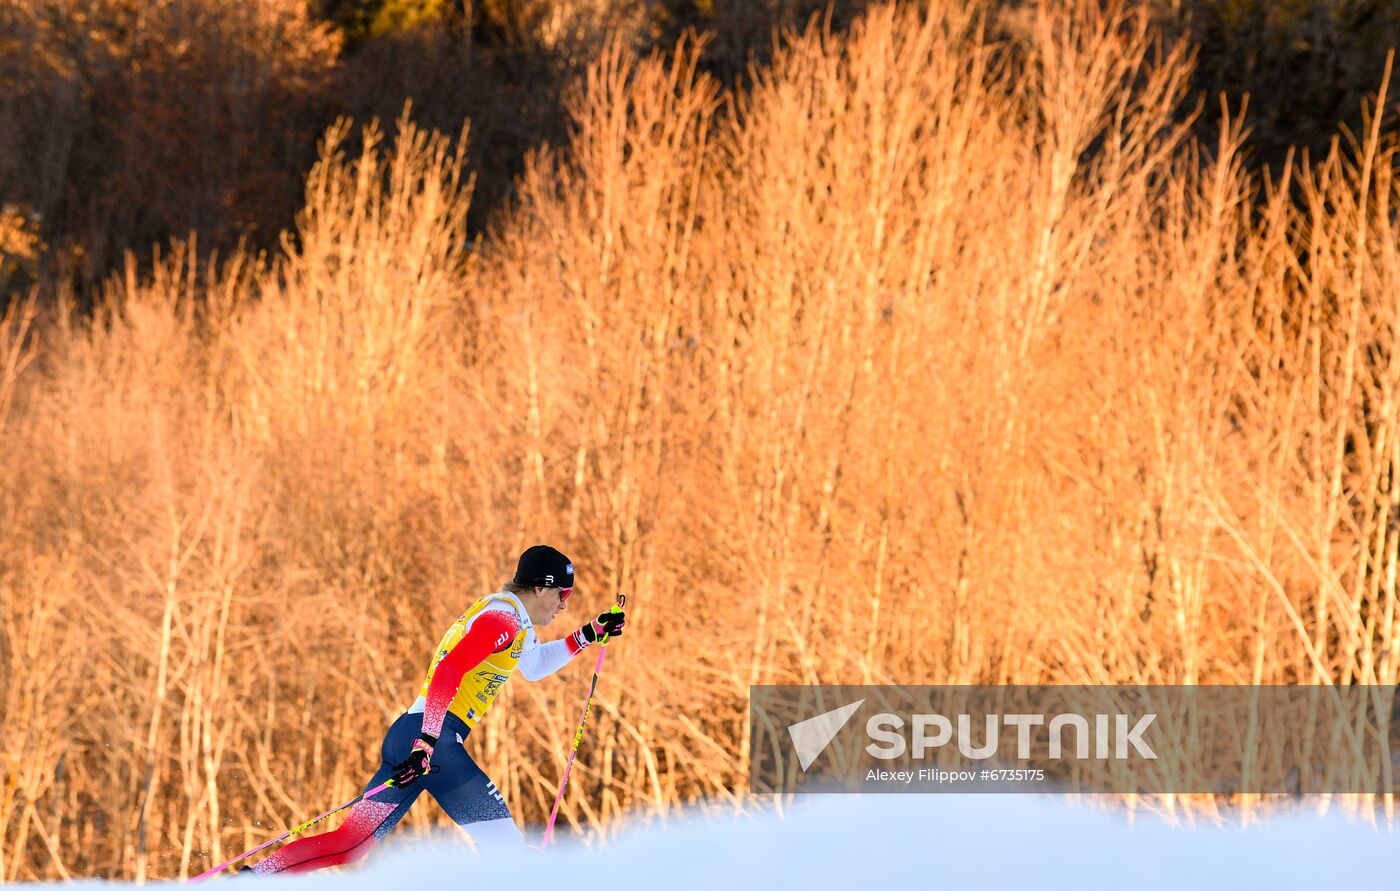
<point>926,360</point>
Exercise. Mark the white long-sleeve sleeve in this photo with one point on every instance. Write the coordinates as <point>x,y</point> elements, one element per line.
<point>547,658</point>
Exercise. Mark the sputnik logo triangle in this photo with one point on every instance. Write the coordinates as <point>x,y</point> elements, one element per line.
<point>811,737</point>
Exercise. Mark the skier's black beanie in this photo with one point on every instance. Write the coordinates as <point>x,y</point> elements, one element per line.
<point>544,566</point>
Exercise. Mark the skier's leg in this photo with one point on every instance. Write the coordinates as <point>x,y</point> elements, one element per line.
<point>498,835</point>
<point>369,820</point>
<point>469,797</point>
<point>367,823</point>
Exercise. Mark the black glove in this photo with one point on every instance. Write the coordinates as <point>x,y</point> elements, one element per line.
<point>609,623</point>
<point>416,764</point>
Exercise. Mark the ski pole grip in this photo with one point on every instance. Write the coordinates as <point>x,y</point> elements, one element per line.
<point>615,608</point>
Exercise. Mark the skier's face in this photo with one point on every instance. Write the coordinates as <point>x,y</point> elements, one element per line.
<point>551,602</point>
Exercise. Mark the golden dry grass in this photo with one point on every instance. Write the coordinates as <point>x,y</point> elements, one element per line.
<point>927,360</point>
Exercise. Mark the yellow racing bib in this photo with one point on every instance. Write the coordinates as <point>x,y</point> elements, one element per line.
<point>481,684</point>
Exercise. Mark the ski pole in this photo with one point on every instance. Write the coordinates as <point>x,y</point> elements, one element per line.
<point>578,735</point>
<point>295,830</point>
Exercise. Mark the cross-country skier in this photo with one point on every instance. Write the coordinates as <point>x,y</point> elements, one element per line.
<point>423,749</point>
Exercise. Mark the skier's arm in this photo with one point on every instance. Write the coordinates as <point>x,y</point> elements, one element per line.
<point>490,632</point>
<point>545,659</point>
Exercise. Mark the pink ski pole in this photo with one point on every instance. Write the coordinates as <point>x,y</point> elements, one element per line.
<point>578,736</point>
<point>295,830</point>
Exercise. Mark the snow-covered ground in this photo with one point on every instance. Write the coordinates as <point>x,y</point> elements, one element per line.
<point>899,841</point>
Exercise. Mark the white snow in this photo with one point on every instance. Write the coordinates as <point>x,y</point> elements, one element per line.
<point>896,841</point>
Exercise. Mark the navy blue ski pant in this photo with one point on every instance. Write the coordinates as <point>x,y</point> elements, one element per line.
<point>460,787</point>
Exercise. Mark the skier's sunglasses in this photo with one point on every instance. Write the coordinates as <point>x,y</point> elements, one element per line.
<point>564,594</point>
